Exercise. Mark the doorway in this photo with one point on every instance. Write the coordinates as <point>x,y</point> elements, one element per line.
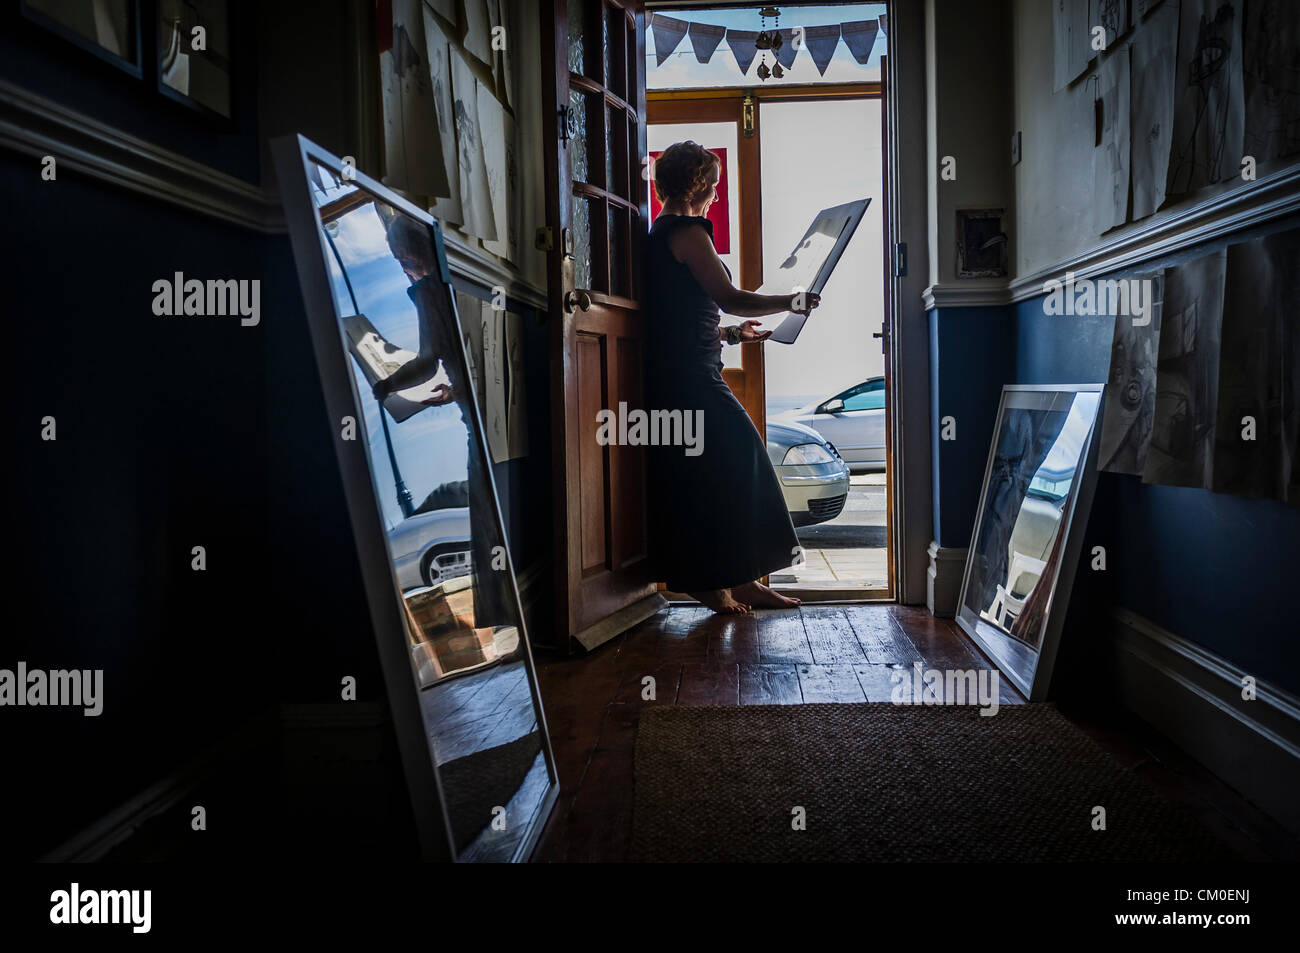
<point>787,152</point>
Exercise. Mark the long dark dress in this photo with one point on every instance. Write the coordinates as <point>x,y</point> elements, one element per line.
<point>718,519</point>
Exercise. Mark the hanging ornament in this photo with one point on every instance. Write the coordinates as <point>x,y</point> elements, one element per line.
<point>769,41</point>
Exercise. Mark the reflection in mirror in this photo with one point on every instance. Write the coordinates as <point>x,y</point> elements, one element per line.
<point>398,324</point>
<point>1040,448</point>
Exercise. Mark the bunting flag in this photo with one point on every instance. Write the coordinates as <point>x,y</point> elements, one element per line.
<point>860,38</point>
<point>705,39</point>
<point>741,44</point>
<point>884,22</point>
<point>786,54</point>
<point>668,33</point>
<point>821,42</point>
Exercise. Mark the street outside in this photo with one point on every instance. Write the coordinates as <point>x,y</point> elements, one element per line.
<point>848,551</point>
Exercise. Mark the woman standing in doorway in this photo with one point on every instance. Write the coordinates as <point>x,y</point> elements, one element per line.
<point>718,520</point>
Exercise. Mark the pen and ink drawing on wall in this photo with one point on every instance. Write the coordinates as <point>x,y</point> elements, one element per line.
<point>445,9</point>
<point>475,199</point>
<point>478,30</point>
<point>1111,156</point>
<point>1153,53</point>
<point>1131,387</point>
<point>447,207</point>
<point>1257,416</point>
<point>501,164</point>
<point>1209,106</point>
<point>981,243</point>
<point>1071,46</point>
<point>1271,64</point>
<point>1112,16</point>
<point>1187,374</point>
<point>412,147</point>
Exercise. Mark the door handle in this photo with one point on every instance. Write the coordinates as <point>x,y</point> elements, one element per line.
<point>577,300</point>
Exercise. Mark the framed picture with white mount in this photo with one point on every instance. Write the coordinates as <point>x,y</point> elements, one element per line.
<point>195,56</point>
<point>109,29</point>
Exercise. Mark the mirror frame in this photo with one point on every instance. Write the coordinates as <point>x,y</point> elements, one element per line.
<point>387,607</point>
<point>1034,685</point>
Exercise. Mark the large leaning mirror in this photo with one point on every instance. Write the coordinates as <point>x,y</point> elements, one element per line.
<point>424,509</point>
<point>1033,508</point>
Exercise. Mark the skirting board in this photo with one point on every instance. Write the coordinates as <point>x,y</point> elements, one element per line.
<point>943,579</point>
<point>1193,697</point>
<point>98,838</point>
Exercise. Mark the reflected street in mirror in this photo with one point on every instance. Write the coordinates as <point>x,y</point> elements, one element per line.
<point>1041,444</point>
<point>447,551</point>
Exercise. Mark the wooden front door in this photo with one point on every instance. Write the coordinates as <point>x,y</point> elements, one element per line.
<point>596,215</point>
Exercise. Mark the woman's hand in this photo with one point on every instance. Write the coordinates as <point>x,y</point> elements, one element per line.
<point>749,332</point>
<point>802,302</point>
<point>441,395</point>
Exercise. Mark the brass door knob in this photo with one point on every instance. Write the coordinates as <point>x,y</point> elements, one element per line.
<point>577,300</point>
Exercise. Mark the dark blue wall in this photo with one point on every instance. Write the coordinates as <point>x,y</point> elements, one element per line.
<point>1216,569</point>
<point>56,69</point>
<point>162,445</point>
<point>971,356</point>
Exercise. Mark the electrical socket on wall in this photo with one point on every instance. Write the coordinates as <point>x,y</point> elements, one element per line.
<point>1015,148</point>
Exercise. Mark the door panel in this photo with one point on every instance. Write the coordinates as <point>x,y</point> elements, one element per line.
<point>596,215</point>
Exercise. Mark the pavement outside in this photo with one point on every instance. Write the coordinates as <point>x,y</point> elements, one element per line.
<point>848,552</point>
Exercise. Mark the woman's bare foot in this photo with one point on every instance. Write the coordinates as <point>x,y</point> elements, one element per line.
<point>720,601</point>
<point>760,596</point>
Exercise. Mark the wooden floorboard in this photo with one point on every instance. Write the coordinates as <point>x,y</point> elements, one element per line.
<point>839,654</point>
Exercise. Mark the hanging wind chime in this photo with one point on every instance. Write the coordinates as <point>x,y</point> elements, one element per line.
<point>769,41</point>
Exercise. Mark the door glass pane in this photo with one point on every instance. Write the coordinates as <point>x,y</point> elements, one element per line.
<point>585,136</point>
<point>577,34</point>
<point>725,215</point>
<point>616,61</point>
<point>618,251</point>
<point>605,46</point>
<point>581,243</point>
<point>631,66</point>
<point>615,161</point>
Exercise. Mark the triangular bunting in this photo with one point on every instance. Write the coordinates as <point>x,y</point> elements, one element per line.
<point>859,37</point>
<point>786,54</point>
<point>741,44</point>
<point>821,42</point>
<point>668,33</point>
<point>884,22</point>
<point>705,39</point>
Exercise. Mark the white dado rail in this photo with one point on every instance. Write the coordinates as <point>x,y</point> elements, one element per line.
<point>1272,196</point>
<point>35,126</point>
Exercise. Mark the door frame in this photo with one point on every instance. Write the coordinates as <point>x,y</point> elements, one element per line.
<point>728,104</point>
